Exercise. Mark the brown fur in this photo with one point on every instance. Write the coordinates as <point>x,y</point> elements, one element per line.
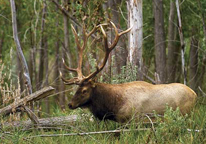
<point>120,102</point>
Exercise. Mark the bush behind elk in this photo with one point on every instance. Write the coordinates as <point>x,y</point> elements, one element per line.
<point>120,102</point>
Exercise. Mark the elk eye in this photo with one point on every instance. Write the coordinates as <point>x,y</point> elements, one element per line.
<point>84,91</point>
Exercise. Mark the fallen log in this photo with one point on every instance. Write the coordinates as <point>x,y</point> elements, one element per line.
<point>43,122</point>
<point>33,97</point>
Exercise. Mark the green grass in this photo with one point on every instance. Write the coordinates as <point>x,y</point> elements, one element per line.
<point>173,129</point>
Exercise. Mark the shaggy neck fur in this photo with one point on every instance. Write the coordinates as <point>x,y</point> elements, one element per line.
<point>105,101</point>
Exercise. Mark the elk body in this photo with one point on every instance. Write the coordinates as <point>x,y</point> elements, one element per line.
<point>121,102</point>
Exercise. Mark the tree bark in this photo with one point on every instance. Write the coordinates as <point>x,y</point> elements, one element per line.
<point>193,64</point>
<point>46,100</point>
<point>42,46</point>
<point>182,42</point>
<point>172,49</point>
<point>27,80</point>
<point>136,35</point>
<point>120,50</point>
<point>57,61</point>
<point>65,52</point>
<point>160,51</point>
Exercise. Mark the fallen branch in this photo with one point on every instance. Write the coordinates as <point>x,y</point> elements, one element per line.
<point>44,122</point>
<point>22,102</point>
<point>90,133</point>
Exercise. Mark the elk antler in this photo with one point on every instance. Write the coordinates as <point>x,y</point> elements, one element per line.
<point>80,77</point>
<point>77,80</point>
<point>108,49</point>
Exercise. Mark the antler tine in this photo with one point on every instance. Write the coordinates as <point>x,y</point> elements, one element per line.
<point>68,68</point>
<point>105,38</point>
<point>92,31</point>
<point>74,80</point>
<point>80,48</point>
<point>117,35</point>
<point>108,49</point>
<point>76,37</point>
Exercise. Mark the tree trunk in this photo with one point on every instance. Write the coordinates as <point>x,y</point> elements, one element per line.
<point>136,35</point>
<point>57,61</point>
<point>160,51</point>
<point>193,64</point>
<point>182,42</point>
<point>46,100</point>
<point>42,45</point>
<point>65,51</point>
<point>172,49</point>
<point>120,50</point>
<point>26,76</point>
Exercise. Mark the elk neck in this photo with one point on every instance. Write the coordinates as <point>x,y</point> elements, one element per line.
<point>106,100</point>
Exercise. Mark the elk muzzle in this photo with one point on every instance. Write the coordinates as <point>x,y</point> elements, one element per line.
<point>71,106</point>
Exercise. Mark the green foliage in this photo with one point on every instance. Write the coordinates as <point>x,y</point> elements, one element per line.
<point>173,125</point>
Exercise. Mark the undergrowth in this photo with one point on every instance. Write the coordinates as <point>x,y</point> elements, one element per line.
<point>171,128</point>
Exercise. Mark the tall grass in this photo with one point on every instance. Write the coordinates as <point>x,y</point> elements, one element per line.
<point>171,128</point>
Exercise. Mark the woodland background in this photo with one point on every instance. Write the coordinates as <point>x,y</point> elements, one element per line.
<point>45,35</point>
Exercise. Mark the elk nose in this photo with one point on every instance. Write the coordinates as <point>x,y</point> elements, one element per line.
<point>70,105</point>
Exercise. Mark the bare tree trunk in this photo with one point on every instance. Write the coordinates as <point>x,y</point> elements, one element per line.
<point>182,42</point>
<point>42,52</point>
<point>65,51</point>
<point>57,61</point>
<point>135,35</point>
<point>27,80</point>
<point>121,51</point>
<point>26,76</point>
<point>193,64</point>
<point>160,51</point>
<point>172,49</point>
<point>46,100</point>
<point>42,45</point>
<point>32,62</point>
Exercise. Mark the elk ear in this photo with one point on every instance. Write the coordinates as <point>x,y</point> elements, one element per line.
<point>93,84</point>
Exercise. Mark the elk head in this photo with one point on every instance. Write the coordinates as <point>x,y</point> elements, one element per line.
<point>86,83</point>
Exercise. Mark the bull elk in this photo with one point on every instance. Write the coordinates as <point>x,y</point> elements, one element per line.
<point>120,102</point>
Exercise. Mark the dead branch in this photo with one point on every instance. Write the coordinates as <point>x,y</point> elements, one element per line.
<point>44,122</point>
<point>33,97</point>
<point>90,133</point>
